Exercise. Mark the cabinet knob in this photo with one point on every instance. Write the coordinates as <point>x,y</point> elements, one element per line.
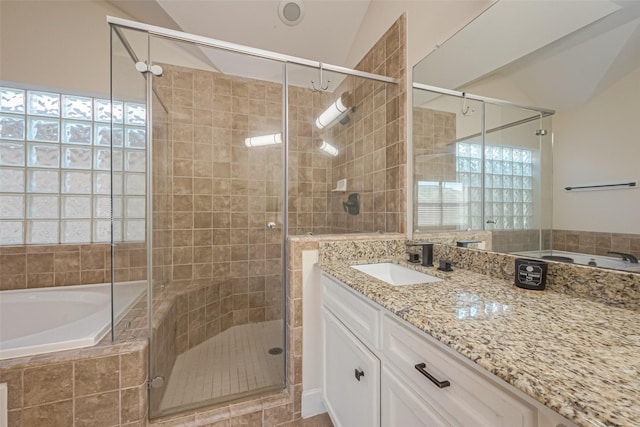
<point>359,373</point>
<point>440,384</point>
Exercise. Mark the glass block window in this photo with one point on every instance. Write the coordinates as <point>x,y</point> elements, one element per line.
<point>55,163</point>
<point>508,190</point>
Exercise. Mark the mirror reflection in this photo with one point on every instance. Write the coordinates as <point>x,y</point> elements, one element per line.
<point>542,184</point>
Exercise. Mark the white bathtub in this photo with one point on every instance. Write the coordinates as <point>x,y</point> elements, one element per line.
<point>34,321</point>
<point>584,259</point>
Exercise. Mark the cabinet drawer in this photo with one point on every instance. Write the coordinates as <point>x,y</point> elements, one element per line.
<point>470,399</point>
<point>357,314</point>
<point>402,406</point>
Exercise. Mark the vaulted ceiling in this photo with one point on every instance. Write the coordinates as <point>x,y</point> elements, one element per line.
<point>325,33</point>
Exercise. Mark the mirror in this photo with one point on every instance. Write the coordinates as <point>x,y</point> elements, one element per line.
<point>578,59</point>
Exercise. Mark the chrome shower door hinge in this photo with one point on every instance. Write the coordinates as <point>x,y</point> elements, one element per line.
<point>156,382</point>
<point>143,67</point>
<point>541,132</point>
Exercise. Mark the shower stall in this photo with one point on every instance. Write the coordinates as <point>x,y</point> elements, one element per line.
<point>239,150</point>
<point>482,164</point>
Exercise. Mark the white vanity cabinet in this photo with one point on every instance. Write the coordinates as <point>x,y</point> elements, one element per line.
<point>381,371</point>
<point>351,384</point>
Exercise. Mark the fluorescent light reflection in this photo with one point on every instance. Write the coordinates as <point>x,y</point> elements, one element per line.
<point>334,111</point>
<point>262,140</point>
<point>329,149</point>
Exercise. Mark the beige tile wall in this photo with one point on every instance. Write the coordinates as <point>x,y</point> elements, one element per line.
<point>434,134</point>
<point>162,201</point>
<point>309,168</point>
<point>89,387</point>
<point>590,242</point>
<point>520,240</point>
<point>373,144</point>
<point>36,266</point>
<point>223,193</point>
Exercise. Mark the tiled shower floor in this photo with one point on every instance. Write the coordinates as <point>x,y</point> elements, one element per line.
<point>234,362</point>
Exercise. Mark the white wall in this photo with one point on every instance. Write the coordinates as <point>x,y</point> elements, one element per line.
<point>429,23</point>
<point>598,143</point>
<point>58,44</point>
<point>65,44</point>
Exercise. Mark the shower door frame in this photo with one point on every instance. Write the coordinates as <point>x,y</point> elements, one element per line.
<point>542,114</point>
<point>173,35</point>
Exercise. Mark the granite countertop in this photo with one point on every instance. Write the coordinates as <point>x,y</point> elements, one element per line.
<point>578,357</point>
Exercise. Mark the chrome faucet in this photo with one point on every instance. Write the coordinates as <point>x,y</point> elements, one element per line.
<point>625,257</point>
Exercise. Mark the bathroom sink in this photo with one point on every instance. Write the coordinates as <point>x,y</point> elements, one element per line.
<point>395,274</point>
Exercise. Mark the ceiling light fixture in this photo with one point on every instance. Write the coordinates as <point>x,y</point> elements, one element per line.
<point>335,110</point>
<point>329,149</point>
<point>291,12</point>
<point>262,140</point>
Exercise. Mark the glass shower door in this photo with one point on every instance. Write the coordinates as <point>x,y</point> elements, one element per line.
<point>120,181</point>
<point>222,337</point>
<point>447,140</point>
<point>518,174</point>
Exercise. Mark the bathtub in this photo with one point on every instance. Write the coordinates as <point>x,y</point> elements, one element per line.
<point>584,259</point>
<point>34,321</point>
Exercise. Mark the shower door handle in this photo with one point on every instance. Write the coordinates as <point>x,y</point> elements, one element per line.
<point>491,221</point>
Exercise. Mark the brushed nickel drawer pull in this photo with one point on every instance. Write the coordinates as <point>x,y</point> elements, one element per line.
<point>441,384</point>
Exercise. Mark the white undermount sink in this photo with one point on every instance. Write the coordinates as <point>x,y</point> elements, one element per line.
<point>395,274</point>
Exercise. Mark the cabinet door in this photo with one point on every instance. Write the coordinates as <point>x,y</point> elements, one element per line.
<point>351,377</point>
<point>401,406</point>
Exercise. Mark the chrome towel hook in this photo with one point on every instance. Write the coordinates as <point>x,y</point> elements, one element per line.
<point>321,87</point>
<point>465,108</point>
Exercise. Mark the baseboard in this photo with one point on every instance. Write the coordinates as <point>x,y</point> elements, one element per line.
<point>312,403</point>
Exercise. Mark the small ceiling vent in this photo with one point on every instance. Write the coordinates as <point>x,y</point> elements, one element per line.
<point>291,12</point>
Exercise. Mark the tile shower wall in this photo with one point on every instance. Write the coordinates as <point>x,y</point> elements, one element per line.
<point>223,194</point>
<point>309,168</point>
<point>434,133</point>
<point>373,144</point>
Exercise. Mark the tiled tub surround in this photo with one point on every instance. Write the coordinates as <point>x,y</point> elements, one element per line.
<point>576,356</point>
<point>117,399</point>
<point>596,243</point>
<point>103,385</point>
<point>37,266</point>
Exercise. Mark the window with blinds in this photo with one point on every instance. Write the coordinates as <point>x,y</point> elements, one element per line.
<point>508,190</point>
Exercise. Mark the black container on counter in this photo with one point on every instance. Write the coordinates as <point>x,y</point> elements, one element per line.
<point>531,274</point>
